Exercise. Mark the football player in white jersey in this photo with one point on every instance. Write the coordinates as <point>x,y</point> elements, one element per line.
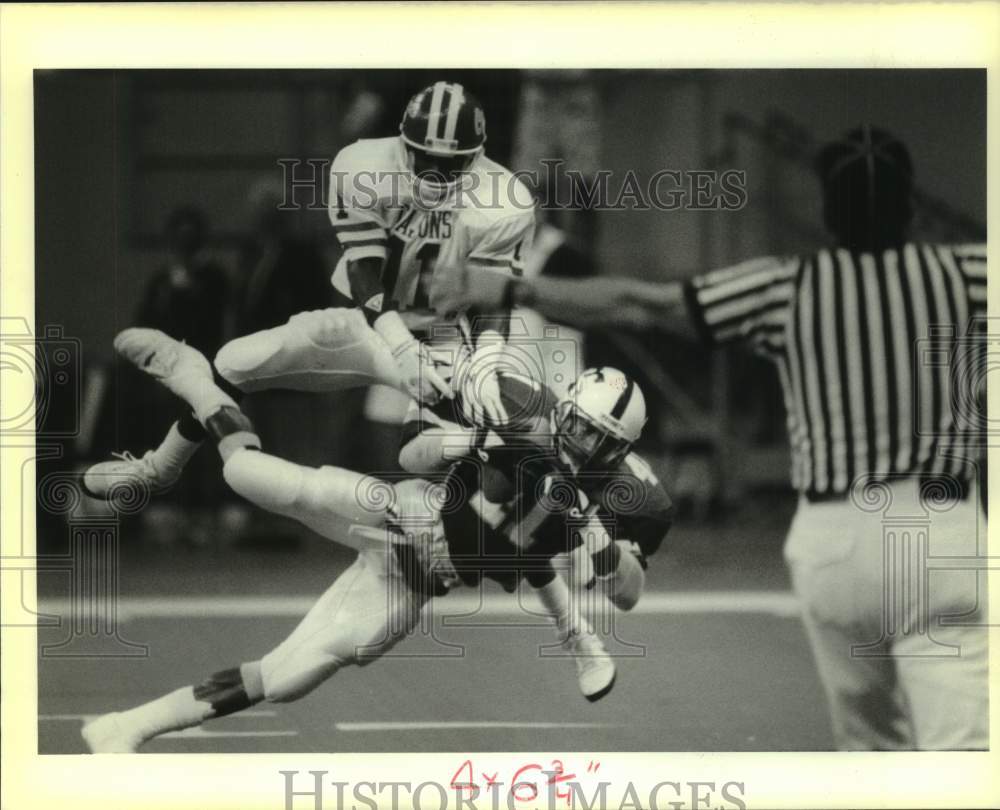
<point>426,203</point>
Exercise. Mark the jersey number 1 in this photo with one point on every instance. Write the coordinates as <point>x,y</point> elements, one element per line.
<point>427,256</point>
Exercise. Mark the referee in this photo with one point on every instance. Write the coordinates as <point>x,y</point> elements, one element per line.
<point>880,429</point>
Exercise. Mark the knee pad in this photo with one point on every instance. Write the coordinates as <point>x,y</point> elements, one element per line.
<point>328,328</point>
<point>625,585</point>
<point>345,494</point>
<point>240,357</point>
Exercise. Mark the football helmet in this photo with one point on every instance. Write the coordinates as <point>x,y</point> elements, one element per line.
<point>443,131</point>
<point>599,420</point>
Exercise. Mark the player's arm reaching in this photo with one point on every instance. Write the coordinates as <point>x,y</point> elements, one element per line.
<point>587,303</point>
<point>430,442</point>
<point>497,253</point>
<point>434,437</point>
<point>741,302</point>
<point>361,230</point>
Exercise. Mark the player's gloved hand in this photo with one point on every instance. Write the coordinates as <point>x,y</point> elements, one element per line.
<point>414,361</point>
<point>480,385</point>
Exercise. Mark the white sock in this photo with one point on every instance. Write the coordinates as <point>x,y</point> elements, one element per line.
<point>174,452</point>
<point>203,395</point>
<point>172,712</point>
<point>555,596</point>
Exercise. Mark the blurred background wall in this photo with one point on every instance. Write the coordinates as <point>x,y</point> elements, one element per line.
<point>118,152</point>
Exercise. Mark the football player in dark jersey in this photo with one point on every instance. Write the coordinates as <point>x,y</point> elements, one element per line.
<point>559,475</point>
<point>405,556</point>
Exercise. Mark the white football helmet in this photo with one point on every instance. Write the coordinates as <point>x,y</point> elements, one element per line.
<point>599,420</point>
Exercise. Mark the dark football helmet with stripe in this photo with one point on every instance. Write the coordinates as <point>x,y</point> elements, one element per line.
<point>443,131</point>
<point>599,420</point>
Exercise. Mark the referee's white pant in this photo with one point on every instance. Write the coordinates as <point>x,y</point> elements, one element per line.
<point>900,643</point>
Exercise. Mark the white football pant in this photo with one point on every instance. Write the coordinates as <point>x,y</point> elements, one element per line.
<point>370,607</point>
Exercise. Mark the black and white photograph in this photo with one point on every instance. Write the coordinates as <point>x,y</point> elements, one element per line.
<point>503,410</point>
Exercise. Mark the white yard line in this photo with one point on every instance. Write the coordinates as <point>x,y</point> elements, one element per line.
<point>199,732</point>
<point>193,733</point>
<point>425,725</point>
<point>774,603</point>
<point>248,715</point>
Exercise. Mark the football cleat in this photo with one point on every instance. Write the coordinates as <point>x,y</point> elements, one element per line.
<point>108,735</point>
<point>624,587</point>
<point>160,356</point>
<point>179,367</point>
<point>595,670</point>
<point>125,472</point>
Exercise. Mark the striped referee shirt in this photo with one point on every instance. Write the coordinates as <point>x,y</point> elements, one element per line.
<point>878,355</point>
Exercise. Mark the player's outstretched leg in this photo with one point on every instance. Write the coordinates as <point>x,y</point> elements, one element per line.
<point>367,611</point>
<point>186,372</point>
<point>179,367</point>
<point>327,499</point>
<point>325,350</point>
<point>595,669</point>
<point>156,470</point>
<point>225,692</point>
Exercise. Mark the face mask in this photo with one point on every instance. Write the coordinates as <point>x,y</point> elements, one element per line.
<point>583,444</point>
<point>434,176</point>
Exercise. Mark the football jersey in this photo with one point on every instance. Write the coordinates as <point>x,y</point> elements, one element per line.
<point>486,222</point>
<point>499,496</point>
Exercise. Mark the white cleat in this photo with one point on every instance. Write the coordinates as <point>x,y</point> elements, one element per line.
<point>160,356</point>
<point>595,669</point>
<point>108,735</point>
<point>179,367</point>
<point>126,473</point>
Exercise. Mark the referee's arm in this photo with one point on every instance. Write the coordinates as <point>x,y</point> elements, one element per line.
<point>619,302</point>
<point>717,307</point>
<point>584,303</point>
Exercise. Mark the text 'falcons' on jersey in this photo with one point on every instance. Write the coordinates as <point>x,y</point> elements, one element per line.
<point>484,221</point>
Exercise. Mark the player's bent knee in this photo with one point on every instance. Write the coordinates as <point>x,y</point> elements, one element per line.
<point>237,361</point>
<point>343,493</point>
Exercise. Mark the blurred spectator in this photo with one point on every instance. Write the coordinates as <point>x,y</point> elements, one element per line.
<point>281,273</point>
<point>188,297</point>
